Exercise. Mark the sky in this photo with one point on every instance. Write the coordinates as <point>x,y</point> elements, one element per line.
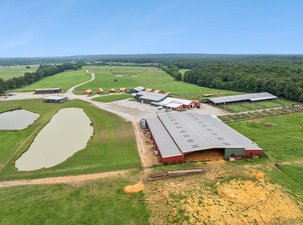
<point>34,28</point>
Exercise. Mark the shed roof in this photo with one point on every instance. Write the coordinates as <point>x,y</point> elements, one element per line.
<point>139,88</point>
<point>246,97</point>
<point>151,96</point>
<point>165,143</point>
<point>195,132</point>
<point>48,89</point>
<point>170,100</point>
<point>55,97</point>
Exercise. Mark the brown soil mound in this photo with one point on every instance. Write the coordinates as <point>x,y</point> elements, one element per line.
<point>134,188</point>
<point>224,200</point>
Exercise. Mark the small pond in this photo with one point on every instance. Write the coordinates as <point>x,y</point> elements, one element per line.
<point>17,119</point>
<point>67,133</point>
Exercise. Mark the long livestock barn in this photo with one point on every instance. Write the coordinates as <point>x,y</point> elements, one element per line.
<point>242,98</point>
<point>47,90</point>
<point>182,137</point>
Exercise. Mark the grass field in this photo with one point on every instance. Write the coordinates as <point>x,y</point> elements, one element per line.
<point>111,98</point>
<point>112,147</point>
<point>182,71</point>
<point>99,202</point>
<point>241,107</point>
<point>7,72</point>
<point>290,177</point>
<point>279,136</point>
<point>149,77</point>
<point>63,80</point>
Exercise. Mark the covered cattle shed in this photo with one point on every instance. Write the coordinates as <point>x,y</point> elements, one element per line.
<point>55,99</point>
<point>242,98</point>
<point>47,90</point>
<point>197,137</point>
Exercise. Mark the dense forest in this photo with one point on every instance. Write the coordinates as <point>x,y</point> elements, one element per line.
<point>41,72</point>
<point>283,81</point>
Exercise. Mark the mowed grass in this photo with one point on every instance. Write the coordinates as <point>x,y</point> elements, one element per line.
<point>247,106</point>
<point>112,147</point>
<point>7,72</point>
<point>149,77</point>
<point>99,202</point>
<point>111,98</point>
<point>280,136</point>
<point>291,177</point>
<point>63,80</point>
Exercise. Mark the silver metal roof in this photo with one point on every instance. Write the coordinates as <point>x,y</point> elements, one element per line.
<point>55,97</point>
<point>194,132</point>
<point>165,143</point>
<point>189,132</point>
<point>151,96</point>
<point>246,97</point>
<point>47,89</point>
<point>140,88</point>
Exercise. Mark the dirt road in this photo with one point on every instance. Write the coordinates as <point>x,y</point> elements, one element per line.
<point>75,179</point>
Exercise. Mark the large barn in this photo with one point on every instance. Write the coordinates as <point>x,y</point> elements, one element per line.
<point>182,137</point>
<point>255,97</point>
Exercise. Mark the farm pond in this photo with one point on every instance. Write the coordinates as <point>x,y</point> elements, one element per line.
<point>17,119</point>
<point>67,133</point>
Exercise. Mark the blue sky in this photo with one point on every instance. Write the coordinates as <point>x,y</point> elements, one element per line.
<point>71,27</point>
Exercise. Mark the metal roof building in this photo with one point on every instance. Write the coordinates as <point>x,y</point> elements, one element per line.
<point>148,97</point>
<point>174,103</point>
<point>192,132</point>
<point>55,99</point>
<point>139,88</point>
<point>241,98</point>
<point>47,90</point>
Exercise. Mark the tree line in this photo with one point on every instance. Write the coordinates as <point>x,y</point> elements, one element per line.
<point>281,80</point>
<point>172,71</point>
<point>31,77</point>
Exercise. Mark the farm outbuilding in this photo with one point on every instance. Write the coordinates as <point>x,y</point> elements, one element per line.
<point>255,97</point>
<point>148,97</point>
<point>112,90</point>
<point>149,90</point>
<point>88,92</point>
<point>47,90</point>
<point>100,91</point>
<point>182,137</point>
<point>123,90</point>
<point>175,103</point>
<point>55,99</point>
<point>139,88</point>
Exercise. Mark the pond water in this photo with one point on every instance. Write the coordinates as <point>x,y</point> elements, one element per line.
<point>67,133</point>
<point>17,119</point>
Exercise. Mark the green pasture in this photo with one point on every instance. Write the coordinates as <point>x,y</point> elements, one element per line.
<point>7,72</point>
<point>98,202</point>
<point>111,98</point>
<point>108,77</point>
<point>280,136</point>
<point>112,147</point>
<point>63,80</point>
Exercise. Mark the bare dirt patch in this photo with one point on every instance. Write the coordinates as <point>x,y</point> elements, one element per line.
<point>246,198</point>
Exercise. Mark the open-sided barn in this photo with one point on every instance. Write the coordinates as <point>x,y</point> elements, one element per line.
<point>47,90</point>
<point>195,137</point>
<point>242,98</point>
<point>55,99</point>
